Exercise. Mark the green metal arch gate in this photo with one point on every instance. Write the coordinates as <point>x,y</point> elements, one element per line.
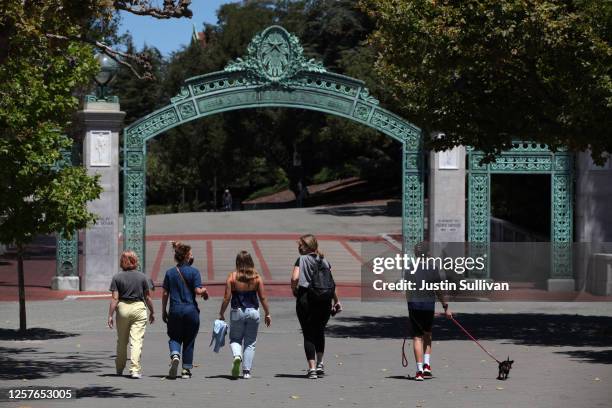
<point>274,73</point>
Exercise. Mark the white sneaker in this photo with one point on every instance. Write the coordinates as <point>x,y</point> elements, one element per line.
<point>136,374</point>
<point>174,367</point>
<point>236,366</point>
<point>246,375</point>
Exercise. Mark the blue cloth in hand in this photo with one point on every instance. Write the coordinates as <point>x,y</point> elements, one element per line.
<point>218,334</point>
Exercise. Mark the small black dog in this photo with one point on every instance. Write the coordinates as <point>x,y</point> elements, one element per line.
<point>504,369</point>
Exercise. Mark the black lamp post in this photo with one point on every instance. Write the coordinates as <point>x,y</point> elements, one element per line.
<point>108,70</point>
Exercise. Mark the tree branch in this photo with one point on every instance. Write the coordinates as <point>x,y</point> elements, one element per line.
<point>119,56</point>
<point>144,8</point>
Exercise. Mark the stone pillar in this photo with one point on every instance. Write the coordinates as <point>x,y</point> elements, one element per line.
<point>447,196</point>
<point>102,122</point>
<point>593,221</point>
<point>593,197</point>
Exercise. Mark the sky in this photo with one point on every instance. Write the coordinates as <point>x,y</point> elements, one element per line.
<point>169,35</point>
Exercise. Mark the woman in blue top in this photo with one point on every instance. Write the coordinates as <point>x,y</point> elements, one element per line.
<point>243,288</point>
<point>181,285</point>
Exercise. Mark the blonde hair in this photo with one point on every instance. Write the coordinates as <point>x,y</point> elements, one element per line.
<point>129,260</point>
<point>181,251</point>
<point>308,244</point>
<point>245,267</point>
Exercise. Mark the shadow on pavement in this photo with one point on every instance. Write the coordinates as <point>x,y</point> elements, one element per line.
<point>107,392</point>
<point>352,210</point>
<point>223,376</point>
<point>400,377</point>
<point>34,367</point>
<point>520,328</point>
<point>36,333</point>
<point>590,356</point>
<point>300,376</point>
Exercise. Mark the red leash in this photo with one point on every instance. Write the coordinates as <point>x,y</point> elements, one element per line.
<point>472,337</point>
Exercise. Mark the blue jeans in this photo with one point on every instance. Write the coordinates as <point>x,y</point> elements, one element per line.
<point>183,326</point>
<point>243,329</point>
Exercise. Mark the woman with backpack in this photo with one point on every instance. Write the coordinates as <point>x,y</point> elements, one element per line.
<point>316,300</point>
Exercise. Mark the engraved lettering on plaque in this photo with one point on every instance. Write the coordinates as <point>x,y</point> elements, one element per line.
<point>100,148</point>
<point>448,225</point>
<point>448,159</point>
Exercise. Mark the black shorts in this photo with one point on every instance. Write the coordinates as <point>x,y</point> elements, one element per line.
<point>420,321</point>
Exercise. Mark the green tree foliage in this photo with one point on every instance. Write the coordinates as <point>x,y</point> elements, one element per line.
<point>38,78</point>
<point>486,72</point>
<point>138,97</point>
<point>46,63</point>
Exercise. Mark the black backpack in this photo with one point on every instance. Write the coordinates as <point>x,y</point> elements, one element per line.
<point>322,286</point>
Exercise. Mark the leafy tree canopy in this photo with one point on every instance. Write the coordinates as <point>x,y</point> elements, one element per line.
<point>486,72</point>
<point>46,63</point>
<point>38,80</point>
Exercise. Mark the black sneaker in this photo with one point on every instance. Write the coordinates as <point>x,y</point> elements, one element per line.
<point>320,369</point>
<point>186,374</point>
<point>312,374</point>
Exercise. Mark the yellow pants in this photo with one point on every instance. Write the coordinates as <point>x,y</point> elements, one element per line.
<point>131,324</point>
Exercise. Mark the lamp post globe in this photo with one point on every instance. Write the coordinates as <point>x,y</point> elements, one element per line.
<point>108,70</point>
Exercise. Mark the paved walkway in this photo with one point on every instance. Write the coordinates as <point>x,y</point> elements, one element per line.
<point>273,254</point>
<point>269,235</point>
<point>216,237</point>
<point>562,354</point>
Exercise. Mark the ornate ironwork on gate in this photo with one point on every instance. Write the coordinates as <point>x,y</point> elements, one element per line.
<point>274,73</point>
<point>67,250</point>
<point>524,158</point>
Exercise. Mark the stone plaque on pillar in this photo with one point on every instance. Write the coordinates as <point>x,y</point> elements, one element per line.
<point>448,159</point>
<point>102,123</point>
<point>100,154</point>
<point>447,195</point>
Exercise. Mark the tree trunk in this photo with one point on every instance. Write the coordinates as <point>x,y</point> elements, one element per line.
<point>22,305</point>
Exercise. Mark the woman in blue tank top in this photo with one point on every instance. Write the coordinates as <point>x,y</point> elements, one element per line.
<point>244,289</point>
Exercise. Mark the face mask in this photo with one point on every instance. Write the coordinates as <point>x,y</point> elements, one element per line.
<point>190,261</point>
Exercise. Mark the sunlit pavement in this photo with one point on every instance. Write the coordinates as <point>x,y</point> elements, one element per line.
<point>269,235</point>
<point>562,354</point>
